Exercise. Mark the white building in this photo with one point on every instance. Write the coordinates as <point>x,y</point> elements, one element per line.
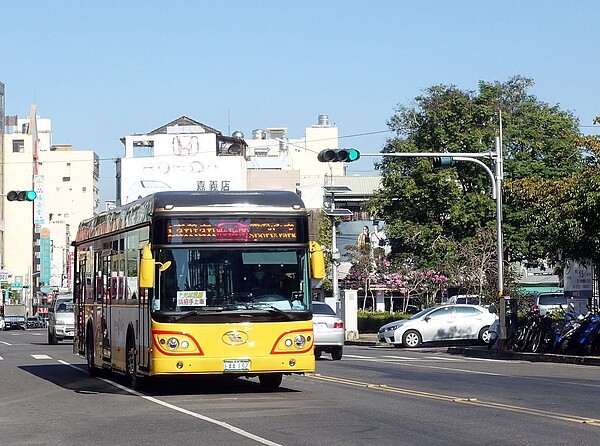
<point>271,150</point>
<point>188,155</point>
<point>37,235</point>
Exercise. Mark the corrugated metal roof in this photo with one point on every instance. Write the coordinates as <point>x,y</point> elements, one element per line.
<point>359,185</point>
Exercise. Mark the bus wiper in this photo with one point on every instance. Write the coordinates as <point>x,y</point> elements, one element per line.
<point>197,311</point>
<point>271,309</point>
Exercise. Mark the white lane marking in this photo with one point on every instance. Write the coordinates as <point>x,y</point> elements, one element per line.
<point>41,357</point>
<point>5,343</point>
<point>441,358</point>
<point>357,357</point>
<point>223,424</point>
<point>1,358</point>
<point>413,363</point>
<point>486,359</point>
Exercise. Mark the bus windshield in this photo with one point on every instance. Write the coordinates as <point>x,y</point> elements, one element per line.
<point>231,279</point>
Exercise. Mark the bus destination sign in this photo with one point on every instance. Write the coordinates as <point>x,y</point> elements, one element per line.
<point>232,230</point>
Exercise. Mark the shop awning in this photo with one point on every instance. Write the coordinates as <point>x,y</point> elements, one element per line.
<point>541,289</point>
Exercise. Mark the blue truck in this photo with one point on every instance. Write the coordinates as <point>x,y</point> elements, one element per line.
<point>15,316</point>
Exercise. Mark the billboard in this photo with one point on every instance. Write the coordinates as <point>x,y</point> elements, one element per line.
<point>140,177</point>
<point>578,280</point>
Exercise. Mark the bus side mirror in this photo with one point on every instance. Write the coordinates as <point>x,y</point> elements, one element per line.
<point>317,260</point>
<point>147,268</point>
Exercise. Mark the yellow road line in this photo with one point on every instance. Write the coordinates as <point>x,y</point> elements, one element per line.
<point>460,400</point>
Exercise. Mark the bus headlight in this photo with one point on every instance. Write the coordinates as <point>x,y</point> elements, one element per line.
<point>173,343</point>
<point>299,340</point>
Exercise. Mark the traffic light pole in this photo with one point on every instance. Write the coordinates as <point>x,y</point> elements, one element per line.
<point>496,178</point>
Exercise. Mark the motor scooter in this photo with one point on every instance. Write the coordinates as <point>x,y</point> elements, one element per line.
<point>589,342</point>
<point>494,329</point>
<point>566,339</point>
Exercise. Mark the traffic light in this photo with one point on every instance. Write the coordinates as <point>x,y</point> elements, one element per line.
<point>443,161</point>
<point>21,195</point>
<point>338,155</point>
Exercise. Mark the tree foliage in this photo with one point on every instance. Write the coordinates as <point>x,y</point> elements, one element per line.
<point>435,218</point>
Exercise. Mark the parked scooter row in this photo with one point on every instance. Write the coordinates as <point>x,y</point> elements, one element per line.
<point>571,334</point>
<point>578,335</point>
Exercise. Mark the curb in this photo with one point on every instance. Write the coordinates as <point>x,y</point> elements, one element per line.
<point>522,356</point>
<point>482,352</point>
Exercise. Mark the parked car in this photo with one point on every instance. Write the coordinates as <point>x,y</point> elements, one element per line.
<point>550,302</point>
<point>35,322</point>
<point>61,320</point>
<point>329,331</point>
<point>472,299</point>
<point>439,323</point>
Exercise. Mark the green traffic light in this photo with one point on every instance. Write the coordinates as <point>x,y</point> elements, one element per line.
<point>338,155</point>
<point>353,155</point>
<point>21,195</point>
<point>443,161</point>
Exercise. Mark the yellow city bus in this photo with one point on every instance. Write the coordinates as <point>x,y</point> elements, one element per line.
<point>189,283</point>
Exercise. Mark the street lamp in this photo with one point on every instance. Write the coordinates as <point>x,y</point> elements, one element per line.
<point>332,212</point>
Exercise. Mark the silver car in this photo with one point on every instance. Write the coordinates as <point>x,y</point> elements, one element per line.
<point>550,302</point>
<point>329,331</point>
<point>440,323</point>
<point>61,320</point>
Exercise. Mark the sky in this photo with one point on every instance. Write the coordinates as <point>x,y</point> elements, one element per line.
<point>104,70</point>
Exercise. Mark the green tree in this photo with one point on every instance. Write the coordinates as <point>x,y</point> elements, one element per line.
<point>430,213</point>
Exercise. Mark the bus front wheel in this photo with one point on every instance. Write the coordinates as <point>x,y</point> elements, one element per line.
<point>135,381</point>
<point>270,380</point>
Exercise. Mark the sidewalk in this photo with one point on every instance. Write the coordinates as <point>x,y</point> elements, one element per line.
<point>370,339</point>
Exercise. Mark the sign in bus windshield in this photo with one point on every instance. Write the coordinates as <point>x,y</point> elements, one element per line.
<point>234,230</point>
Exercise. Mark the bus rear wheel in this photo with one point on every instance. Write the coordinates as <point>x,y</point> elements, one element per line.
<point>89,353</point>
<point>270,380</point>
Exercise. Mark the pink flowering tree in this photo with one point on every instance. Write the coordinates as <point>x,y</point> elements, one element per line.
<point>371,273</point>
<point>425,285</point>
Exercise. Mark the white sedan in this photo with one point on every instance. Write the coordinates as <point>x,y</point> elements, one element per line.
<point>440,323</point>
<point>329,331</point>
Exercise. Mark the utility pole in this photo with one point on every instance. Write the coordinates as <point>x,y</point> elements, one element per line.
<point>335,253</point>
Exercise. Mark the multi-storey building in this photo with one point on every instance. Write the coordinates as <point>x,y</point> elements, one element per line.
<point>188,155</point>
<point>37,235</point>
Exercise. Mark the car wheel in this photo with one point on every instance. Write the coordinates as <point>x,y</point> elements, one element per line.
<point>317,353</point>
<point>484,335</point>
<point>411,339</point>
<point>336,353</point>
<point>270,380</point>
<point>52,339</point>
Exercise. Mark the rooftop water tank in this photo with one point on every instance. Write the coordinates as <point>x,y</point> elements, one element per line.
<point>324,120</point>
<point>259,134</point>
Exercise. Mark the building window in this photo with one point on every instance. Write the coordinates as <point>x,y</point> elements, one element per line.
<point>66,178</point>
<point>84,189</point>
<point>143,151</point>
<point>18,145</point>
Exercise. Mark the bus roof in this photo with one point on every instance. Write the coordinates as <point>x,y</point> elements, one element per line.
<point>141,210</point>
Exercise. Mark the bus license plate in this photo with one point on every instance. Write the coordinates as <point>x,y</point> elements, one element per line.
<point>236,365</point>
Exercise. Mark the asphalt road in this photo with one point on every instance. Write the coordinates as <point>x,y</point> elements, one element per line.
<point>374,396</point>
